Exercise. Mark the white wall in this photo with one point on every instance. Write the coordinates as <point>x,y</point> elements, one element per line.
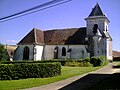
<point>109,50</point>
<point>39,52</point>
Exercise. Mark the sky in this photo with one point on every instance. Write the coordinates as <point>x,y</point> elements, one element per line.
<point>67,15</point>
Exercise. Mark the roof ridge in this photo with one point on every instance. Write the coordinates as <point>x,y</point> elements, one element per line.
<point>65,29</point>
<point>32,37</point>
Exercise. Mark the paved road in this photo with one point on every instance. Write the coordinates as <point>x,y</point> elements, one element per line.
<point>81,82</point>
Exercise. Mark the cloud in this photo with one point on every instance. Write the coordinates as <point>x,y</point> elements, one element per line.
<point>11,41</point>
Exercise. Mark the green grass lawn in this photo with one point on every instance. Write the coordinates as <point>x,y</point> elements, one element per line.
<point>27,83</point>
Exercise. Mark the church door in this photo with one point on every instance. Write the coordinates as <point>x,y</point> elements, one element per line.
<point>26,53</point>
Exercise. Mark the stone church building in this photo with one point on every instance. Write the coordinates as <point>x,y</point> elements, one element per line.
<point>73,43</point>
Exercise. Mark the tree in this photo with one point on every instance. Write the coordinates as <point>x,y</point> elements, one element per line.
<point>2,52</point>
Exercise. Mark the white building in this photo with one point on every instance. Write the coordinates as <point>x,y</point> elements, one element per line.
<point>74,43</point>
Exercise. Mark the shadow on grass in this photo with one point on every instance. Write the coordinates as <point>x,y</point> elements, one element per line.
<point>95,82</point>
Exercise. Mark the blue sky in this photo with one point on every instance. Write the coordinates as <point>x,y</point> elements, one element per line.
<point>67,15</point>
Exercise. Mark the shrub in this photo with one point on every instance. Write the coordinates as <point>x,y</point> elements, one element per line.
<point>98,61</point>
<point>29,70</point>
<point>87,59</point>
<point>78,64</point>
<point>103,59</point>
<point>3,56</point>
<point>95,61</point>
<point>72,64</point>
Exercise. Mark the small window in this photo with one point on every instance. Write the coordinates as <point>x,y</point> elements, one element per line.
<point>63,51</point>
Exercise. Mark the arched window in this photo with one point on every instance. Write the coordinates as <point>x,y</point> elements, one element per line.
<point>95,27</point>
<point>26,53</point>
<point>56,52</point>
<point>63,51</point>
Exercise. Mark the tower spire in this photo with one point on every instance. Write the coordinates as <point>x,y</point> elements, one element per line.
<point>96,11</point>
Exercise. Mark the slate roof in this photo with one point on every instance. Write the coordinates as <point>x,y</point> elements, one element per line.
<point>35,36</point>
<point>65,36</point>
<point>96,11</point>
<point>54,37</point>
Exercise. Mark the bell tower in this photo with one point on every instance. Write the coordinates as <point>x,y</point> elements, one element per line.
<point>97,17</point>
<point>100,41</point>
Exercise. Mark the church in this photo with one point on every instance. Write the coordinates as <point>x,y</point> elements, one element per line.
<point>71,43</point>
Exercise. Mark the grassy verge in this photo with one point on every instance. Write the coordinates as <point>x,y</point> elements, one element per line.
<point>118,63</point>
<point>27,83</point>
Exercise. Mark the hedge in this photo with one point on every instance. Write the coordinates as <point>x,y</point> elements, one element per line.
<point>62,61</point>
<point>29,70</point>
<point>95,61</point>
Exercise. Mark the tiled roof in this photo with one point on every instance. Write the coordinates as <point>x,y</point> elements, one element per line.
<point>53,37</point>
<point>65,36</point>
<point>35,36</point>
<point>96,11</point>
<point>116,54</point>
<point>57,36</point>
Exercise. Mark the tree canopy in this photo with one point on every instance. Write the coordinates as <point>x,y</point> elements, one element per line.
<point>2,52</point>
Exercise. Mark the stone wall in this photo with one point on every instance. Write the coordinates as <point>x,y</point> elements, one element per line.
<point>72,51</point>
<point>20,50</point>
